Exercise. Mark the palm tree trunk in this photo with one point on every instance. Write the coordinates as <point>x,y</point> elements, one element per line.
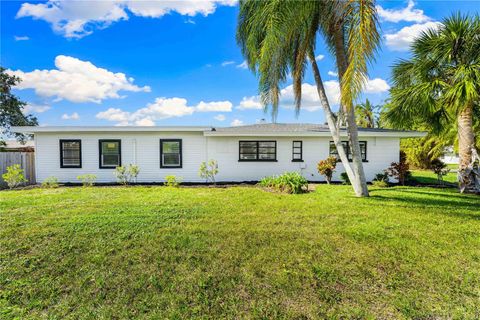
<point>466,142</point>
<point>359,180</point>
<point>331,121</point>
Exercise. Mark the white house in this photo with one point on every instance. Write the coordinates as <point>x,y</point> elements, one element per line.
<point>244,153</point>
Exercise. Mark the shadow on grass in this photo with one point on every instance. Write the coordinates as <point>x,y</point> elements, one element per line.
<point>445,203</point>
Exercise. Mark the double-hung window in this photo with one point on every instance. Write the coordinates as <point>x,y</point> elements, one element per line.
<point>110,152</point>
<point>70,153</point>
<point>257,151</point>
<point>346,146</point>
<point>297,151</point>
<point>170,153</point>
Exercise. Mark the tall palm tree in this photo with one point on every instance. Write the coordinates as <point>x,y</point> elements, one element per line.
<point>278,36</point>
<point>366,114</point>
<point>440,84</point>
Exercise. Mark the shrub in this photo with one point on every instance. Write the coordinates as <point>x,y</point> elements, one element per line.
<point>400,170</point>
<point>380,183</point>
<point>127,174</point>
<point>209,170</point>
<point>289,182</point>
<point>327,167</point>
<point>14,176</point>
<point>420,152</point>
<point>50,182</point>
<point>440,169</point>
<point>172,181</point>
<point>382,176</point>
<point>345,178</point>
<point>87,180</point>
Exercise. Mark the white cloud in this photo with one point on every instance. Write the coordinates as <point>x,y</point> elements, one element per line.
<point>31,107</point>
<point>376,85</point>
<point>76,19</point>
<point>332,74</point>
<point>405,14</point>
<point>77,81</point>
<point>243,65</point>
<point>161,108</point>
<point>220,117</point>
<point>216,106</point>
<point>236,123</point>
<point>401,40</point>
<point>319,57</point>
<point>252,102</point>
<point>21,38</point>
<point>226,63</point>
<point>73,116</point>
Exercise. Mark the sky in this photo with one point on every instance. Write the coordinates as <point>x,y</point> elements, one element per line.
<point>167,63</point>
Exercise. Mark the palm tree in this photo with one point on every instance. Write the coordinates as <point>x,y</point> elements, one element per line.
<point>440,84</point>
<point>366,114</point>
<point>278,36</point>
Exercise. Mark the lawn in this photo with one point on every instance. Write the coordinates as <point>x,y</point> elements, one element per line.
<point>239,252</point>
<point>427,177</point>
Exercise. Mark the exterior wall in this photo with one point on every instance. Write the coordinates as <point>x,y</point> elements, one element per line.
<point>143,149</point>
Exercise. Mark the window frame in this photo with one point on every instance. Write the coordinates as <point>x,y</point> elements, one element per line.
<point>349,154</point>
<point>61,141</point>
<point>258,151</point>
<point>294,153</point>
<point>100,165</point>
<point>181,153</point>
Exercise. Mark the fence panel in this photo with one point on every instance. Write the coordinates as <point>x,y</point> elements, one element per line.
<point>25,159</point>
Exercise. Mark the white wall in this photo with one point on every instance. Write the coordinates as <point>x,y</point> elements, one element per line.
<point>144,150</point>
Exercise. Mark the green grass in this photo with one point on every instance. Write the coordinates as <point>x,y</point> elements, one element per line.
<point>240,252</point>
<point>427,177</point>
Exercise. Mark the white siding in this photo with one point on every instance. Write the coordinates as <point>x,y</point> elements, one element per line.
<point>144,150</point>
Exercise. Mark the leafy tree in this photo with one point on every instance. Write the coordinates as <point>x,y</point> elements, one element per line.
<point>367,115</point>
<point>278,38</point>
<point>11,108</point>
<point>439,87</point>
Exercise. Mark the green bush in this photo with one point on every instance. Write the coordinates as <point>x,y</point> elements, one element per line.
<point>289,182</point>
<point>50,182</point>
<point>327,167</point>
<point>380,183</point>
<point>126,174</point>
<point>172,181</point>
<point>209,170</point>
<point>345,178</point>
<point>440,169</point>
<point>87,180</point>
<point>14,176</point>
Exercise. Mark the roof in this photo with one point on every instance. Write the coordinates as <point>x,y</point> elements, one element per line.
<point>263,129</point>
<point>14,144</point>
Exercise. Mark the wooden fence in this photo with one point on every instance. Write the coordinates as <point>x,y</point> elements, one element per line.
<point>25,159</point>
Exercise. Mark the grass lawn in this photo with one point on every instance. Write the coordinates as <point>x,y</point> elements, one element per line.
<point>429,178</point>
<point>240,252</point>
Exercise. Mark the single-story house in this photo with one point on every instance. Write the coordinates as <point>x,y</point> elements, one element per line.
<point>243,153</point>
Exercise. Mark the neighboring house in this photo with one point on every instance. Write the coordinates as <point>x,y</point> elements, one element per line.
<point>244,153</point>
<point>449,156</point>
<point>16,146</point>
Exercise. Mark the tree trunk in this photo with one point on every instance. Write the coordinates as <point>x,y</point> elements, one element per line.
<point>359,181</point>
<point>466,143</point>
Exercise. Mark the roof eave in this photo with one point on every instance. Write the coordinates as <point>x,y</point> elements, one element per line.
<point>33,129</point>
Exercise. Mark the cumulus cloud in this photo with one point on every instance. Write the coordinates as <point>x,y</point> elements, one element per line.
<point>77,81</point>
<point>243,65</point>
<point>35,108</point>
<point>401,40</point>
<point>332,74</point>
<point>236,123</point>
<point>161,108</point>
<point>319,57</point>
<point>220,117</point>
<point>227,63</point>
<point>76,19</point>
<point>252,102</point>
<point>405,14</point>
<point>21,38</point>
<point>376,85</point>
<point>73,116</point>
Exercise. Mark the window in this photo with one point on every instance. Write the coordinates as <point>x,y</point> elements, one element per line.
<point>110,153</point>
<point>297,151</point>
<point>170,153</point>
<point>258,151</point>
<point>70,153</point>
<point>346,146</point>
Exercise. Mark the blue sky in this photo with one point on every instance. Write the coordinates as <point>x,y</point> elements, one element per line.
<point>170,63</point>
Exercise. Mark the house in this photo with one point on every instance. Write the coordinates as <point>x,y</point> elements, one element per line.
<point>244,153</point>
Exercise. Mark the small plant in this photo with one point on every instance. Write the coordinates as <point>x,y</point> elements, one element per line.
<point>327,167</point>
<point>172,181</point>
<point>50,182</point>
<point>345,178</point>
<point>380,183</point>
<point>381,180</point>
<point>209,170</point>
<point>289,182</point>
<point>14,176</point>
<point>400,170</point>
<point>126,174</point>
<point>87,180</point>
<point>440,169</point>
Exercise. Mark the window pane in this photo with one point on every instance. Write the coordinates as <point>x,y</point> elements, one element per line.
<point>110,153</point>
<point>297,156</point>
<point>267,156</point>
<point>297,144</point>
<point>248,156</point>
<point>171,146</point>
<point>71,153</point>
<point>110,160</point>
<point>171,153</point>
<point>267,144</point>
<point>110,148</point>
<point>171,159</point>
